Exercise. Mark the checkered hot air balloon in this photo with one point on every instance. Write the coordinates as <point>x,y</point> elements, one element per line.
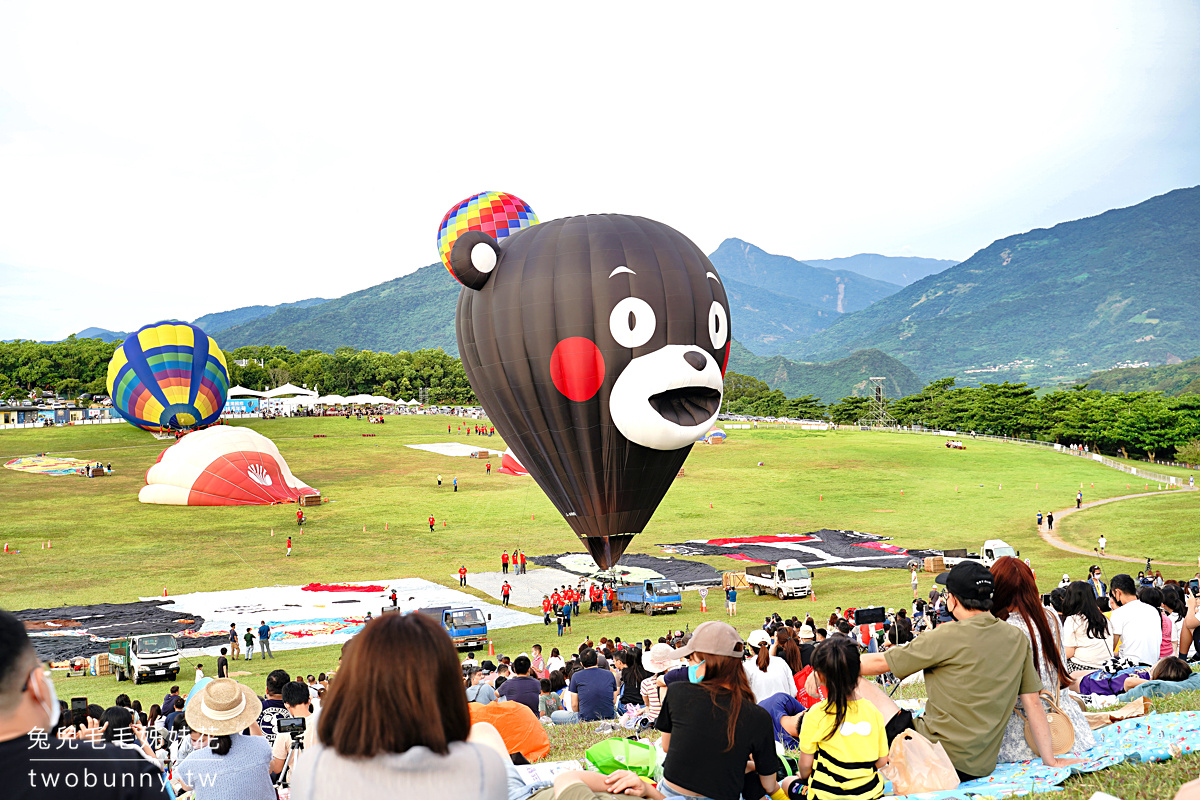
<point>169,376</point>
<point>497,214</point>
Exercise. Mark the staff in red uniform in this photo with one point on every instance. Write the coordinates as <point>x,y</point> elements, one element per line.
<point>504,563</point>
<point>431,523</point>
<point>547,604</point>
<point>462,575</point>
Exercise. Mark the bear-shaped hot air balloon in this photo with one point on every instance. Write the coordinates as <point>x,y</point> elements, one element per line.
<point>597,345</point>
<point>168,376</point>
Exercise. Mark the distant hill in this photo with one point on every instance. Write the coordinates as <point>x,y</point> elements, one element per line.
<point>215,323</point>
<point>900,270</point>
<point>831,381</point>
<point>411,312</point>
<point>839,291</point>
<point>1172,379</point>
<point>101,334</point>
<point>1047,306</point>
<point>771,323</point>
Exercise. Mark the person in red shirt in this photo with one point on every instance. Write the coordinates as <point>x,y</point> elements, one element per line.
<point>289,549</point>
<point>522,570</point>
<point>493,431</point>
<point>489,468</point>
<point>547,604</point>
<point>462,575</point>
<point>505,593</point>
<point>431,523</point>
<point>610,598</point>
<point>594,597</point>
<point>556,598</point>
<point>504,563</point>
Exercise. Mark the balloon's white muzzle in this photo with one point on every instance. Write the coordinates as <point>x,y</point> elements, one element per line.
<point>667,399</point>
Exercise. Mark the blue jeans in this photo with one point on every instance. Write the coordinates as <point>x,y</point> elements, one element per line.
<point>673,791</point>
<point>564,717</point>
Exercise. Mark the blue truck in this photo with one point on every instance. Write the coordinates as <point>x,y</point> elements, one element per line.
<point>659,596</point>
<point>466,625</point>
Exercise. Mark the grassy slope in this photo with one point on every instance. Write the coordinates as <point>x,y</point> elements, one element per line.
<point>107,547</point>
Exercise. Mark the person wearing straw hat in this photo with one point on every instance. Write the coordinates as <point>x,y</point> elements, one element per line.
<point>656,660</point>
<point>233,766</point>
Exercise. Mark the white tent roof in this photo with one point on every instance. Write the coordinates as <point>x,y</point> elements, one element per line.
<point>242,391</point>
<point>290,389</point>
<point>383,401</point>
<point>331,400</point>
<point>360,398</point>
<point>413,402</point>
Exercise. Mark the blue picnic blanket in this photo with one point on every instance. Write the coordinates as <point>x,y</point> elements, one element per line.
<point>1156,737</point>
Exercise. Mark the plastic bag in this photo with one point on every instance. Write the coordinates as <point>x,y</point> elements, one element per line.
<point>611,755</point>
<point>916,765</point>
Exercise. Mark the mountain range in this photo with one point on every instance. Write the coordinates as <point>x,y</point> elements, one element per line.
<point>1047,306</point>
<point>900,270</point>
<point>830,381</point>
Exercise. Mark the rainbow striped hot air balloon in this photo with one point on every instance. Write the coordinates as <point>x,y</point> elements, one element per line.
<point>169,376</point>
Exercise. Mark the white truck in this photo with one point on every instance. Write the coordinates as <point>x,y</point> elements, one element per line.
<point>784,579</point>
<point>992,549</point>
<point>153,655</point>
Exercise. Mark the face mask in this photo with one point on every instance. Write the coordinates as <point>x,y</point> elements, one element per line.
<point>694,673</point>
<point>55,709</point>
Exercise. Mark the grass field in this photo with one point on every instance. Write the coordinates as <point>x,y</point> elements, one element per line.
<point>107,547</point>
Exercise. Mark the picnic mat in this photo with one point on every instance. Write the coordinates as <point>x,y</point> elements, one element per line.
<point>1157,737</point>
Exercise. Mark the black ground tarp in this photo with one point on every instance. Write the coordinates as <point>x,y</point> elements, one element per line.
<point>100,623</point>
<point>828,548</point>
<point>683,572</point>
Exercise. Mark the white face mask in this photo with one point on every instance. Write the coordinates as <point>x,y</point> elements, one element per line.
<point>54,711</point>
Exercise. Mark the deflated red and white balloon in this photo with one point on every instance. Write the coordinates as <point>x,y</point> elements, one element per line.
<point>222,466</point>
<point>597,345</point>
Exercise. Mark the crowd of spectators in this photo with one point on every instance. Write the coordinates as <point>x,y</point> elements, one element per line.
<point>392,723</point>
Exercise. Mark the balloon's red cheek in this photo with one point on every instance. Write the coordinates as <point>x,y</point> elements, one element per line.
<point>577,368</point>
<point>725,362</point>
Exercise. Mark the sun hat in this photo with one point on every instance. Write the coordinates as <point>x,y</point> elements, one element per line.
<point>758,638</point>
<point>807,632</point>
<point>657,658</point>
<point>223,707</point>
<point>712,637</point>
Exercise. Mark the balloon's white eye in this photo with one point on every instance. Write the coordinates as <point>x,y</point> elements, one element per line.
<point>483,257</point>
<point>718,325</point>
<point>631,322</point>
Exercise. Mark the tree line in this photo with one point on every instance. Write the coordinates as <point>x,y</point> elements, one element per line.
<point>1126,422</point>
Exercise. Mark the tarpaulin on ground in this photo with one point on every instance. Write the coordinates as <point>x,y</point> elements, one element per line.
<point>69,631</point>
<point>638,567</point>
<point>342,587</point>
<point>823,548</point>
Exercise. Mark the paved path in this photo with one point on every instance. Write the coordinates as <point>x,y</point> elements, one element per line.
<point>1051,538</point>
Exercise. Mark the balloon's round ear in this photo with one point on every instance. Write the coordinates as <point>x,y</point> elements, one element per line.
<point>473,257</point>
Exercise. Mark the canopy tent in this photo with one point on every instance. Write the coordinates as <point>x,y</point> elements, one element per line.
<point>331,400</point>
<point>379,400</point>
<point>288,390</point>
<point>413,402</point>
<point>242,391</point>
<point>360,399</point>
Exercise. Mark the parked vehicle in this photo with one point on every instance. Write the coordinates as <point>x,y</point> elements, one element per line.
<point>992,549</point>
<point>654,597</point>
<point>466,625</point>
<point>787,578</point>
<point>152,655</point>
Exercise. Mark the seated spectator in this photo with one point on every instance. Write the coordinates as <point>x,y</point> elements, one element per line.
<point>1087,638</point>
<point>656,660</point>
<point>525,737</point>
<point>1171,668</point>
<point>901,631</point>
<point>628,663</point>
<point>786,714</point>
<point>478,690</point>
<point>298,702</point>
<point>522,687</point>
<point>975,670</point>
<point>32,760</point>
<point>710,725</point>
<point>1016,601</point>
<point>548,701</point>
<point>118,726</point>
<point>766,674</point>
<point>789,649</point>
<point>396,726</point>
<point>1136,627</point>
<point>233,766</point>
<point>1153,597</point>
<point>591,694</point>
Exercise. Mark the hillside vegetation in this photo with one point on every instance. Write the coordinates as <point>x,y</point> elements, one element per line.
<point>1171,379</point>
<point>830,381</point>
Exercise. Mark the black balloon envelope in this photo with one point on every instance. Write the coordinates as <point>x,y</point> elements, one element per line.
<point>597,345</point>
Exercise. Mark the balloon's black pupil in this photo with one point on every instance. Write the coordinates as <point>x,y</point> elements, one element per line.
<point>717,322</point>
<point>632,320</point>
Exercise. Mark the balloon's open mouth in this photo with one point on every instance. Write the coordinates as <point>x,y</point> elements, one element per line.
<point>687,406</point>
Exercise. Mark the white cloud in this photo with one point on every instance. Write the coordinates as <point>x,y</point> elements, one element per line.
<point>204,158</point>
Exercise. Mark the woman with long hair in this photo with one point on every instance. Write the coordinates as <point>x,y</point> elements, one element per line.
<point>1017,601</point>
<point>232,765</point>
<point>1176,607</point>
<point>395,722</point>
<point>787,648</point>
<point>628,662</point>
<point>1154,598</point>
<point>766,674</point>
<point>711,725</point>
<point>1087,637</point>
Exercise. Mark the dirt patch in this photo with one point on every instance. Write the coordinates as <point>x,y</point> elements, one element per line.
<point>884,510</point>
<point>50,624</point>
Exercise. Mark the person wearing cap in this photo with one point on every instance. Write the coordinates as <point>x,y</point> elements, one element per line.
<point>808,640</point>
<point>711,727</point>
<point>766,674</point>
<point>1065,582</point>
<point>975,671</point>
<point>233,765</point>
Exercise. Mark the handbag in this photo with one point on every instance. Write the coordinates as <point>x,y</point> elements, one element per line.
<point>1062,732</point>
<point>917,765</point>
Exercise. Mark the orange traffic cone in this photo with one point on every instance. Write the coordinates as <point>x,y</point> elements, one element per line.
<point>491,648</point>
<point>164,591</point>
<point>49,544</point>
<point>364,528</point>
<point>386,526</point>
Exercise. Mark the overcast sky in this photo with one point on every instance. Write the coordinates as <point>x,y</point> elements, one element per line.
<point>167,160</point>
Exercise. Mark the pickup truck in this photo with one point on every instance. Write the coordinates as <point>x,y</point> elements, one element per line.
<point>654,597</point>
<point>787,578</point>
<point>153,655</point>
<point>466,625</point>
<point>992,549</point>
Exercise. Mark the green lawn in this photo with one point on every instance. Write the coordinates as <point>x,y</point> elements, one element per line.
<point>1165,527</point>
